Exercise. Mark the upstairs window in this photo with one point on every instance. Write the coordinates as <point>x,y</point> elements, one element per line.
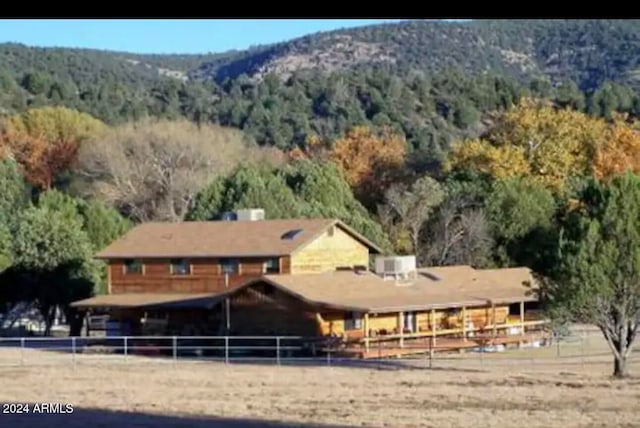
<point>132,266</point>
<point>272,265</point>
<point>180,267</point>
<point>229,266</point>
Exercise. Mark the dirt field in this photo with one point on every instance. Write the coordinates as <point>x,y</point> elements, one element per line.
<point>523,389</point>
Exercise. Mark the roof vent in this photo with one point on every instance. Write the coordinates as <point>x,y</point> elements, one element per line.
<point>250,214</point>
<point>396,267</point>
<point>229,216</point>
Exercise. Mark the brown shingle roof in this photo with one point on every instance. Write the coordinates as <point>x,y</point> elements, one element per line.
<point>221,238</point>
<point>432,288</point>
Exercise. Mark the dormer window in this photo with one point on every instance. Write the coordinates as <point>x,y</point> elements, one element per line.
<point>133,267</point>
<point>272,265</point>
<point>180,267</point>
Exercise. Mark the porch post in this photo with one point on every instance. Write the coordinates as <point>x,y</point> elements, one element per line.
<point>366,332</point>
<point>493,310</point>
<point>226,303</point>
<point>464,324</point>
<point>401,327</point>
<point>522,317</point>
<point>433,328</point>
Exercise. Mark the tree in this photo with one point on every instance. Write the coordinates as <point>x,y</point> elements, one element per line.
<point>516,208</point>
<point>45,141</point>
<point>619,153</point>
<point>14,193</point>
<point>6,247</point>
<point>152,170</point>
<point>370,162</point>
<point>480,156</point>
<point>411,206</point>
<point>302,189</point>
<point>103,225</point>
<point>458,234</point>
<point>52,264</point>
<point>597,276</point>
<point>534,139</point>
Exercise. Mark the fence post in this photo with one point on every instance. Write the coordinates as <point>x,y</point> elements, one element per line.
<point>73,350</point>
<point>175,350</point>
<point>226,349</point>
<point>584,334</point>
<point>278,350</point>
<point>126,351</point>
<point>22,351</point>
<point>431,351</point>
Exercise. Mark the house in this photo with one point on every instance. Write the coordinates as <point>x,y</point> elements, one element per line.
<point>304,277</point>
<point>443,307</point>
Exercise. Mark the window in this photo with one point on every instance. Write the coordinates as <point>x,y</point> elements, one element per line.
<point>132,266</point>
<point>353,321</point>
<point>272,266</point>
<point>180,267</point>
<point>331,231</point>
<point>229,266</point>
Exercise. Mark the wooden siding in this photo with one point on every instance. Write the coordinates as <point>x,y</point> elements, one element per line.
<point>264,310</point>
<point>328,253</point>
<point>206,276</point>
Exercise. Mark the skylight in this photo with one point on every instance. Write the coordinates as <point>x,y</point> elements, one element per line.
<point>290,234</point>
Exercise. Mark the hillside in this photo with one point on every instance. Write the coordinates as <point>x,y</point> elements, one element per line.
<point>586,51</point>
<point>432,81</point>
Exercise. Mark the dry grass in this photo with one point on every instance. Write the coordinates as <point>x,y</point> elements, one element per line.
<point>461,391</point>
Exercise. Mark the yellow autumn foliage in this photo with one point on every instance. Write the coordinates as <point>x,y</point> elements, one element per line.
<point>481,156</point>
<point>535,139</point>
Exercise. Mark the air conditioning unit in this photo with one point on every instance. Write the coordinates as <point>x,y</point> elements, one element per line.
<point>251,214</point>
<point>396,267</point>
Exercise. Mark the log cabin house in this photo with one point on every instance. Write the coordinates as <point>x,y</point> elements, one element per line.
<point>308,278</point>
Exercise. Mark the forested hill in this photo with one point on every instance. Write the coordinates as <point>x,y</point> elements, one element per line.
<point>431,81</point>
<point>586,51</point>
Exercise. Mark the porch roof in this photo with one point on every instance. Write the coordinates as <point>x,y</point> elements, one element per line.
<point>432,288</point>
<point>148,300</point>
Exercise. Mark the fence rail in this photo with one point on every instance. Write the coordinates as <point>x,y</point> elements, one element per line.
<point>575,350</point>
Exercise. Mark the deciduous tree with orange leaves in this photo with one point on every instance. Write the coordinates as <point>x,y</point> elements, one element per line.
<point>619,153</point>
<point>45,141</point>
<point>370,162</point>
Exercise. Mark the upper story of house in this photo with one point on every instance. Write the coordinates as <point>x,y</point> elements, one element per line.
<point>200,257</point>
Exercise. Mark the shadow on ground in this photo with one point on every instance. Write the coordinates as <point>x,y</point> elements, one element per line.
<point>383,364</point>
<point>95,418</point>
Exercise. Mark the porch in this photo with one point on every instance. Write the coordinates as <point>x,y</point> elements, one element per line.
<point>442,332</point>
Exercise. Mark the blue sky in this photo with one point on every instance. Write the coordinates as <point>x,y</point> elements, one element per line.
<point>166,36</point>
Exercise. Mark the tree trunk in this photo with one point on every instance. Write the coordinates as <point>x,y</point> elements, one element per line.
<point>620,366</point>
<point>49,314</point>
<point>620,337</point>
